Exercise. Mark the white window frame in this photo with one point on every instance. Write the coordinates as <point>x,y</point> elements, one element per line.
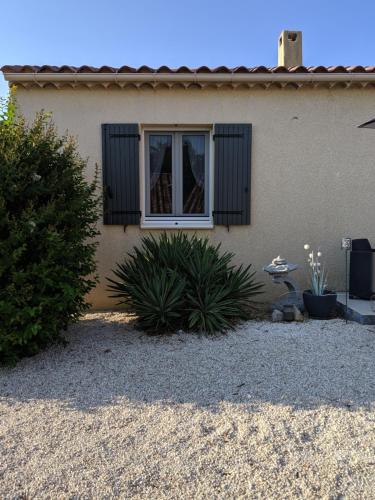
<point>175,222</point>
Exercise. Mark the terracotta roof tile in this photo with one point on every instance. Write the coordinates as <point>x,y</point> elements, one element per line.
<point>336,69</point>
<point>221,69</point>
<point>47,69</point>
<point>356,69</point>
<point>203,69</point>
<point>86,69</point>
<point>164,69</point>
<point>145,69</point>
<point>259,69</point>
<point>27,69</point>
<point>67,69</point>
<point>126,69</point>
<point>184,69</point>
<point>318,69</point>
<point>106,69</point>
<point>240,69</point>
<point>279,69</point>
<point>298,69</point>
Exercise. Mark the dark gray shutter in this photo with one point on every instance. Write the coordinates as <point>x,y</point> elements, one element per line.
<point>120,143</point>
<point>232,173</point>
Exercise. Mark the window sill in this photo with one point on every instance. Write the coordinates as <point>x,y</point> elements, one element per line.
<point>177,223</point>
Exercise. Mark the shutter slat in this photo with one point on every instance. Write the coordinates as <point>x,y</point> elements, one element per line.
<point>120,143</point>
<point>232,174</point>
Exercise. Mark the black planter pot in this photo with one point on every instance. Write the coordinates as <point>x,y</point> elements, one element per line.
<point>320,306</point>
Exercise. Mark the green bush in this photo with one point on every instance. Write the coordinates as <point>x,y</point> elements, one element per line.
<point>181,282</point>
<point>47,221</point>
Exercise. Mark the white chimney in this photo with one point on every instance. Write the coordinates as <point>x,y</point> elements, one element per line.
<point>290,49</point>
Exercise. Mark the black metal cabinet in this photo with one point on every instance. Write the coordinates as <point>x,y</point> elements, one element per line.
<point>362,269</point>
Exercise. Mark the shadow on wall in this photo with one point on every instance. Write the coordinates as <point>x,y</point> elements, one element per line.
<point>106,362</point>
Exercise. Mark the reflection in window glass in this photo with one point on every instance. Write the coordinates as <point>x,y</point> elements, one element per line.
<point>193,173</point>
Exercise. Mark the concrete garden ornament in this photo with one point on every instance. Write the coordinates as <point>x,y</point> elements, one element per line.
<point>319,301</point>
<point>289,307</point>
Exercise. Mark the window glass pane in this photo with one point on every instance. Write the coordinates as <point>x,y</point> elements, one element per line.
<point>160,174</point>
<point>193,164</point>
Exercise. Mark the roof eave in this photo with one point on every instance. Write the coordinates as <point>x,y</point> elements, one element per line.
<point>191,78</point>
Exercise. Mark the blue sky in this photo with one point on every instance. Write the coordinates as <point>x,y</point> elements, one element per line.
<point>176,32</point>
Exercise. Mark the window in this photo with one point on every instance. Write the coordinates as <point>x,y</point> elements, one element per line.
<point>177,178</point>
<point>188,178</point>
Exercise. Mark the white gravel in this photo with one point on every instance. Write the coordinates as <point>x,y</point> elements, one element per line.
<point>267,411</point>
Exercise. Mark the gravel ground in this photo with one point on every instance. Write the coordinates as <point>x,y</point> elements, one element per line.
<point>268,411</point>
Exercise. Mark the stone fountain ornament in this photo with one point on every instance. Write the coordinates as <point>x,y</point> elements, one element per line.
<point>290,304</point>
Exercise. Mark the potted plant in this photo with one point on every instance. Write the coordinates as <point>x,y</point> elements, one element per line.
<point>318,300</point>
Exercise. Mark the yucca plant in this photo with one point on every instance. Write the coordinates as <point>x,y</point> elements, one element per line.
<point>178,281</point>
<point>155,295</point>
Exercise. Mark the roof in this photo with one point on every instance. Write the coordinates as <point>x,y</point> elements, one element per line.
<point>184,69</point>
<point>203,76</point>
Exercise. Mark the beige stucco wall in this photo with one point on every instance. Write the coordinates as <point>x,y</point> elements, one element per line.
<point>313,171</point>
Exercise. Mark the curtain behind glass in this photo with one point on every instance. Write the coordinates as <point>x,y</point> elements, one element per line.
<point>160,174</point>
<point>193,174</point>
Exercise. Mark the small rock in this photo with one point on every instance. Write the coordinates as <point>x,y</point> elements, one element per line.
<point>277,316</point>
<point>298,316</point>
<point>288,312</point>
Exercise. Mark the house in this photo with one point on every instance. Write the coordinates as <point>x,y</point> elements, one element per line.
<point>260,159</point>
